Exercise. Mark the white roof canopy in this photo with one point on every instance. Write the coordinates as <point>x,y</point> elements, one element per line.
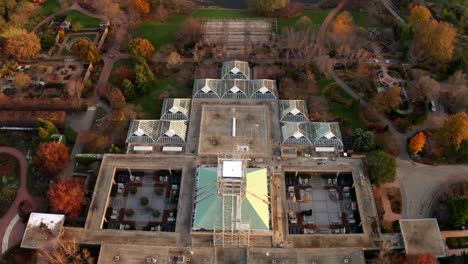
<point>232,168</point>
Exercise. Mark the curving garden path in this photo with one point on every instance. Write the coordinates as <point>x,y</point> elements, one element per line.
<point>22,194</point>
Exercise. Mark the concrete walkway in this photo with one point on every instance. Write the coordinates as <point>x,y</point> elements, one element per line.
<point>22,194</point>
<point>6,236</point>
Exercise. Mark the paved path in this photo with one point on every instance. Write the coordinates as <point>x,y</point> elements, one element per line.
<point>420,184</point>
<point>22,194</point>
<point>454,233</point>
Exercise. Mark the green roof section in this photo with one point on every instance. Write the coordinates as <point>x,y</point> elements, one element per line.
<point>255,207</point>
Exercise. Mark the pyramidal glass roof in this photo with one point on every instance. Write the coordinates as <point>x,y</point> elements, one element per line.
<point>255,208</point>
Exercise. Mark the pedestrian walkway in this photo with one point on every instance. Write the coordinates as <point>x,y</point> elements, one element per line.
<point>22,194</point>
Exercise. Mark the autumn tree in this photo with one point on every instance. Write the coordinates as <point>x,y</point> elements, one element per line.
<point>428,258</point>
<point>143,6</point>
<point>457,93</point>
<point>18,44</point>
<point>52,157</point>
<point>388,101</point>
<point>21,80</point>
<point>67,196</point>
<point>343,23</point>
<point>140,47</point>
<point>434,42</point>
<point>267,7</point>
<point>46,129</point>
<point>110,9</point>
<point>425,88</point>
<point>67,251</point>
<point>85,50</point>
<point>23,11</point>
<point>419,14</point>
<point>174,59</point>
<point>454,131</point>
<point>417,142</point>
<point>189,34</point>
<point>144,76</point>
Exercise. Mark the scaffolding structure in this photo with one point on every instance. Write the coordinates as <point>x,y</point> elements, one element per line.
<point>232,188</point>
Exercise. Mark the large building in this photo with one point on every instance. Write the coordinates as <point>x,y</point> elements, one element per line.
<point>235,114</point>
<point>232,175</point>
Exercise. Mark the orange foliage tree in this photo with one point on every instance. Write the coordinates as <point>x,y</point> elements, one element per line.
<point>52,157</point>
<point>143,6</point>
<point>67,196</point>
<point>343,23</point>
<point>428,258</point>
<point>417,143</point>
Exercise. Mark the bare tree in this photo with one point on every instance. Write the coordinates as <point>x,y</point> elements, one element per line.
<point>425,88</point>
<point>111,10</point>
<point>457,93</point>
<point>66,252</point>
<point>298,44</point>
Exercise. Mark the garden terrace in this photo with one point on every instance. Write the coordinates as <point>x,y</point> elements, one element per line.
<point>321,204</point>
<point>144,200</point>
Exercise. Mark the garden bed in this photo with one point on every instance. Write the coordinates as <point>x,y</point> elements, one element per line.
<point>9,181</point>
<point>457,242</point>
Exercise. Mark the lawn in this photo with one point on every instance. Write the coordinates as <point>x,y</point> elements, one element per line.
<point>49,7</point>
<point>316,16</point>
<point>159,33</point>
<point>220,13</point>
<point>90,37</point>
<point>166,87</point>
<point>86,21</point>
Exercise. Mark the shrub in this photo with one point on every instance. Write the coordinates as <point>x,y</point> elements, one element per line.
<point>133,189</point>
<point>159,191</point>
<point>156,213</point>
<point>381,167</point>
<point>144,200</point>
<point>70,135</point>
<point>129,212</point>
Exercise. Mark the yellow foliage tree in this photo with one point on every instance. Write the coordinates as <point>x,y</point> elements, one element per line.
<point>434,41</point>
<point>343,23</point>
<point>417,143</point>
<point>454,131</point>
<point>387,101</point>
<point>418,15</point>
<point>140,47</point>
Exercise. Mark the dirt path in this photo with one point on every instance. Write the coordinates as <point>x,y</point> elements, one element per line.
<point>22,193</point>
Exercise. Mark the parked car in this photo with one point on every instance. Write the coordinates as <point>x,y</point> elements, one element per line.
<point>433,106</point>
<point>391,61</point>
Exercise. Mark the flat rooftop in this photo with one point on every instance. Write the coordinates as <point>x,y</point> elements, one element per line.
<point>252,134</point>
<point>291,255</point>
<point>422,236</point>
<point>42,230</point>
<point>129,254</point>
